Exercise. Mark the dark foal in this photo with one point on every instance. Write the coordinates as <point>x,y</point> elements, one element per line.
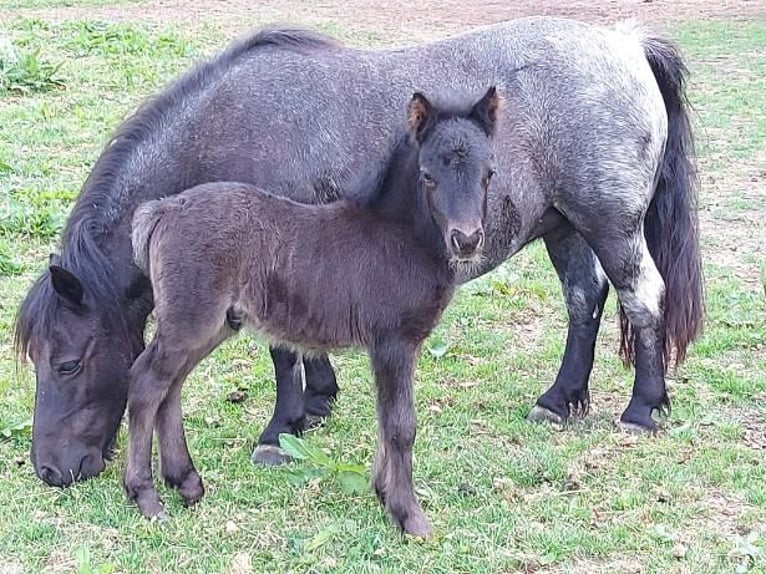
<point>312,278</point>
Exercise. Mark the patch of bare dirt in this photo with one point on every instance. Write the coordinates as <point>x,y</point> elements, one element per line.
<point>396,20</point>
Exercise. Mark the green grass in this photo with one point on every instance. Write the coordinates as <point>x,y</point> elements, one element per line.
<point>504,495</point>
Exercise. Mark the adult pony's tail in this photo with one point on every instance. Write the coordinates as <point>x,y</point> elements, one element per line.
<point>145,220</point>
<point>671,226</point>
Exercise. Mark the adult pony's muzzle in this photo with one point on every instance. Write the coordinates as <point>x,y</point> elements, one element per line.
<point>466,245</point>
<point>80,467</point>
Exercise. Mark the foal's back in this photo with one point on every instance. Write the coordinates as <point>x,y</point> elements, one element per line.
<point>316,277</point>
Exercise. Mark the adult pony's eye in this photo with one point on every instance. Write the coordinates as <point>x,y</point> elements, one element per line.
<point>69,368</point>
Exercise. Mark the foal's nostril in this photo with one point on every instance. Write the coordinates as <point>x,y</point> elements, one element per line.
<point>456,239</point>
<point>480,240</point>
<point>51,476</point>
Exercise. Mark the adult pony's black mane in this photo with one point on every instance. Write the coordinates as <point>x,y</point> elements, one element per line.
<point>93,215</point>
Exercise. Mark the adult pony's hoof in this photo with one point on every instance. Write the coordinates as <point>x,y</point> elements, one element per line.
<point>270,455</point>
<point>540,414</point>
<point>312,421</point>
<point>636,429</point>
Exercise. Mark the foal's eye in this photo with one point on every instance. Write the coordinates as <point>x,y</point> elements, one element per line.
<point>490,174</point>
<point>69,368</point>
<point>427,178</point>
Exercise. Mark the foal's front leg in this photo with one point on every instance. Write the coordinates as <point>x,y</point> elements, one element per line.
<point>393,361</point>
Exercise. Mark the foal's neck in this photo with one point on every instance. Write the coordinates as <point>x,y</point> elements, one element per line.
<point>401,200</point>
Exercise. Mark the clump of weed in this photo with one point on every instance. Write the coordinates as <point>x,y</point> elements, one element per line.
<point>26,72</point>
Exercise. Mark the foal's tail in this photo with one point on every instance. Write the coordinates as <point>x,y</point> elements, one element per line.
<point>145,220</point>
<point>671,227</point>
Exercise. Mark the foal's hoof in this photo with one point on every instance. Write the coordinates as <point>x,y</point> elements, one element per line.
<point>191,489</point>
<point>540,414</point>
<point>417,526</point>
<point>150,505</point>
<point>270,455</point>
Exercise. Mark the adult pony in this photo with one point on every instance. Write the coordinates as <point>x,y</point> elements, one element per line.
<point>594,156</point>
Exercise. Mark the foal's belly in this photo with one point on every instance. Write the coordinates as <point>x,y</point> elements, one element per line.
<point>304,335</point>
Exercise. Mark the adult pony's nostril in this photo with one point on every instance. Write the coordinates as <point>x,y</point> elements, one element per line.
<point>51,476</point>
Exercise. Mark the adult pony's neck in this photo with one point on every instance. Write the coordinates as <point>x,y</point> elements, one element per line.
<point>143,160</point>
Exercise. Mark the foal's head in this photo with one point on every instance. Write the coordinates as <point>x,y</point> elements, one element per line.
<point>456,163</point>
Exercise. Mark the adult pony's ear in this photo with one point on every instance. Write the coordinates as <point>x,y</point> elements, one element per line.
<point>419,115</point>
<point>65,283</point>
<point>487,111</point>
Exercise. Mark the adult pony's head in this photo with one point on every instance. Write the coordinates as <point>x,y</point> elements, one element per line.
<point>457,162</point>
<point>72,326</point>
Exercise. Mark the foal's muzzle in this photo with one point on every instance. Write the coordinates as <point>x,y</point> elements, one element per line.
<point>466,245</point>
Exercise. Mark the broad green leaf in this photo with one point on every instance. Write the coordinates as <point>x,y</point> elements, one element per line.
<point>437,347</point>
<point>352,483</point>
<point>293,446</point>
<point>322,537</point>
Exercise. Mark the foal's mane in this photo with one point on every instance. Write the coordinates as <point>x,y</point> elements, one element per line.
<point>102,199</point>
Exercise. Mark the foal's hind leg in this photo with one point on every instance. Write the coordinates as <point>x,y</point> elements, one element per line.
<point>585,289</point>
<point>151,376</point>
<point>175,462</point>
<point>631,269</point>
<point>394,364</point>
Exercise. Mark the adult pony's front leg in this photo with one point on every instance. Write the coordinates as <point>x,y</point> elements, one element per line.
<point>321,389</point>
<point>289,415</point>
<point>585,289</point>
<point>295,409</point>
<point>393,362</point>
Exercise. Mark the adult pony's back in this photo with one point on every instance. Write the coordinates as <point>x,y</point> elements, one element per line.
<point>594,156</point>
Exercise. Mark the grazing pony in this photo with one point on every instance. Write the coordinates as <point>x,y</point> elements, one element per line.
<point>312,278</point>
<point>596,159</point>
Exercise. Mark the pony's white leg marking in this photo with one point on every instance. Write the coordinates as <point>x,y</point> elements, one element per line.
<point>643,302</point>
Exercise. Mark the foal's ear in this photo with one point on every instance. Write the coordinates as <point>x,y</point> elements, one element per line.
<point>487,111</point>
<point>419,115</point>
<point>66,284</point>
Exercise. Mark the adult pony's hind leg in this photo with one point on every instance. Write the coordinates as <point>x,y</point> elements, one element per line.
<point>289,414</point>
<point>585,289</point>
<point>394,363</point>
<point>640,288</point>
